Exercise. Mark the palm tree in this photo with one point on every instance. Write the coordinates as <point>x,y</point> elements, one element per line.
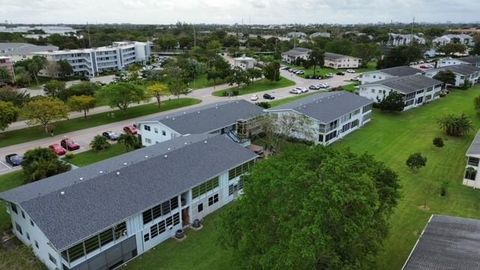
<point>129,141</point>
<point>457,126</point>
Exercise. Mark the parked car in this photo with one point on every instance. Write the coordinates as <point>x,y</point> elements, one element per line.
<point>69,144</point>
<point>351,71</point>
<point>268,96</point>
<point>426,66</point>
<point>303,89</point>
<point>132,130</point>
<point>14,160</point>
<point>113,136</point>
<point>314,87</point>
<point>254,98</point>
<point>295,91</point>
<point>58,149</point>
<point>300,72</point>
<point>340,73</point>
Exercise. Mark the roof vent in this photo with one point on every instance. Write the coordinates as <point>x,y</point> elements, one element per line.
<point>100,171</point>
<point>146,156</point>
<point>184,112</point>
<point>173,118</point>
<point>62,192</point>
<point>186,143</point>
<point>205,141</point>
<point>81,178</point>
<point>125,163</point>
<point>118,173</point>
<point>198,112</point>
<point>165,156</point>
<point>169,148</point>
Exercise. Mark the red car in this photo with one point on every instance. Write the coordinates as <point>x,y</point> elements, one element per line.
<point>69,144</point>
<point>58,149</point>
<point>132,130</point>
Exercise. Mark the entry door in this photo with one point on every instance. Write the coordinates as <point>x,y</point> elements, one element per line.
<point>185,217</point>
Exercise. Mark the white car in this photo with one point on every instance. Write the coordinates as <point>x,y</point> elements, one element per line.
<point>254,98</point>
<point>324,85</point>
<point>350,71</point>
<point>303,89</point>
<point>295,91</point>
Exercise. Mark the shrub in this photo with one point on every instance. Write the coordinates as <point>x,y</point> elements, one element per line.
<point>415,161</point>
<point>99,143</point>
<point>235,93</point>
<point>457,126</point>
<point>438,142</point>
<point>444,188</point>
<point>264,104</point>
<point>69,156</point>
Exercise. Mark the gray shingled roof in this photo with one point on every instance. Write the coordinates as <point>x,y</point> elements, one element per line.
<point>100,200</point>
<point>24,48</point>
<point>447,243</point>
<point>210,117</point>
<point>473,59</point>
<point>297,51</point>
<point>462,69</point>
<point>408,84</point>
<point>400,71</point>
<point>326,107</point>
<point>335,56</point>
<point>474,148</point>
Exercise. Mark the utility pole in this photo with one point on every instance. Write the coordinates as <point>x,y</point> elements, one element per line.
<point>88,33</point>
<point>194,36</point>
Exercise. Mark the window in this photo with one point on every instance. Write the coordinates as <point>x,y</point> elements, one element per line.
<point>205,187</point>
<point>31,223</point>
<point>147,140</point>
<point>373,90</point>
<point>161,227</point>
<point>470,174</point>
<point>52,259</point>
<point>160,210</point>
<point>19,229</point>
<point>200,207</point>
<point>147,128</point>
<point>92,244</point>
<point>14,208</point>
<point>331,136</point>
<point>164,133</point>
<point>354,123</point>
<point>473,161</point>
<point>36,244</point>
<point>120,230</point>
<point>154,230</point>
<point>346,127</point>
<point>28,236</point>
<point>23,214</point>
<point>176,219</point>
<point>156,130</point>
<point>233,173</point>
<point>146,237</point>
<point>212,200</point>
<point>367,108</point>
<point>419,100</point>
<point>320,137</point>
<point>408,103</point>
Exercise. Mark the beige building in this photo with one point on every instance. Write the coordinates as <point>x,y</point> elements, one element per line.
<point>334,60</point>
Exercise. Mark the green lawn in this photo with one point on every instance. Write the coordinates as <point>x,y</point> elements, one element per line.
<point>283,101</point>
<point>90,156</point>
<point>257,86</point>
<point>9,181</point>
<point>200,250</point>
<point>325,70</point>
<point>350,87</point>
<point>391,138</point>
<point>35,133</point>
<point>202,82</point>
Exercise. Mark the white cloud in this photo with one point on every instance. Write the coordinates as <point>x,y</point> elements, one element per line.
<point>232,11</point>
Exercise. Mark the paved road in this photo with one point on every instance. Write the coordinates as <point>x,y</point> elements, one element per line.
<point>84,136</point>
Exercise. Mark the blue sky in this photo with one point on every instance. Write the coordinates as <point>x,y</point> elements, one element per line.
<point>232,11</point>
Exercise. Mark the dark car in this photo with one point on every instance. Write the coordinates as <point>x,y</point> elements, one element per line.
<point>340,73</point>
<point>69,144</point>
<point>113,136</point>
<point>268,96</point>
<point>14,160</point>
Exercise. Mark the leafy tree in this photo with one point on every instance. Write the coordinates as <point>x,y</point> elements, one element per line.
<point>238,77</point>
<point>341,46</point>
<point>366,51</point>
<point>82,104</point>
<point>271,71</point>
<point>64,68</point>
<point>264,104</point>
<point>53,88</point>
<point>121,95</point>
<point>34,65</point>
<point>99,143</point>
<point>476,104</point>
<point>12,95</point>
<point>438,142</point>
<point>275,128</point>
<point>41,163</point>
<point>177,87</point>
<point>253,74</point>
<point>157,90</point>
<point>452,48</point>
<point>5,77</point>
<point>316,58</point>
<point>476,48</point>
<point>445,76</point>
<point>8,114</point>
<point>400,56</point>
<point>79,89</point>
<point>307,207</point>
<point>415,161</point>
<point>218,69</point>
<point>130,141</point>
<point>393,102</point>
<point>44,111</point>
<point>457,126</point>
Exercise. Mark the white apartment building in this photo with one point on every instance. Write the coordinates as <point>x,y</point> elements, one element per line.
<point>244,62</point>
<point>336,61</point>
<point>401,40</point>
<point>329,116</point>
<point>471,177</point>
<point>92,62</point>
<point>453,38</point>
<point>416,90</point>
<point>462,73</point>
<point>103,215</point>
<point>292,55</point>
<point>473,60</point>
<point>387,73</point>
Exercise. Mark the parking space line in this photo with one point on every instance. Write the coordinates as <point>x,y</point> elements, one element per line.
<point>4,167</point>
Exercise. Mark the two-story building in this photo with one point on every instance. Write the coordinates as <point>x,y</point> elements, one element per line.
<point>336,61</point>
<point>387,73</point>
<point>244,62</point>
<point>463,73</point>
<point>415,89</point>
<point>473,60</point>
<point>217,118</point>
<point>471,177</point>
<point>329,116</point>
<point>294,54</point>
<point>103,215</point>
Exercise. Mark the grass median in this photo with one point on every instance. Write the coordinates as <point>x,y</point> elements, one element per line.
<point>256,86</point>
<point>36,132</point>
